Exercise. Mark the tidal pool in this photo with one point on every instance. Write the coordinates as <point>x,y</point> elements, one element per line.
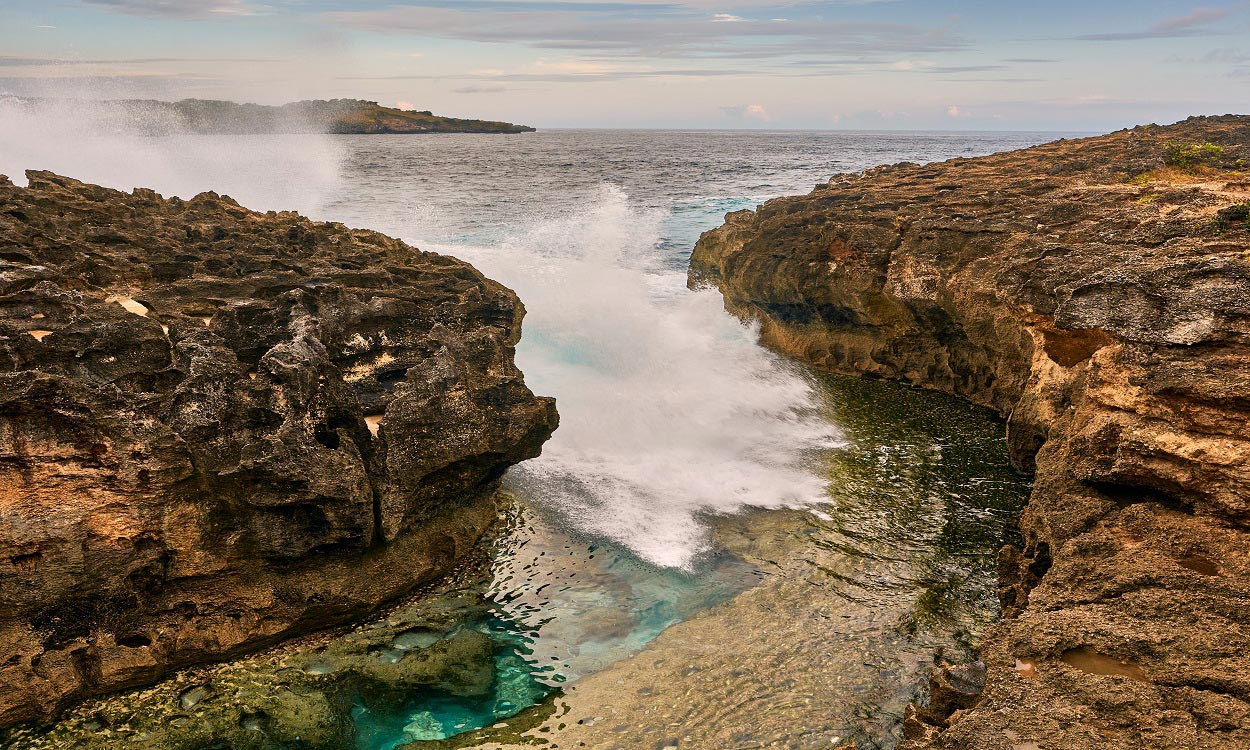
<point>804,627</point>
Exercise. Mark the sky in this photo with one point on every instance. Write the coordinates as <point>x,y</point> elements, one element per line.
<point>1068,65</point>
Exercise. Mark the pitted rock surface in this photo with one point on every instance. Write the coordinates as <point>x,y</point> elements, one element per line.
<point>1098,296</point>
<point>220,428</point>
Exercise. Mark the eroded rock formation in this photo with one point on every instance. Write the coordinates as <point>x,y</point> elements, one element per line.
<point>220,428</point>
<point>1097,294</point>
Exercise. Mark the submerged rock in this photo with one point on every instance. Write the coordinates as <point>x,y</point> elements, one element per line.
<point>1097,294</point>
<point>189,469</point>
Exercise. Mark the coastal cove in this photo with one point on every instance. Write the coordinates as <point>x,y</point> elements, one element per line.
<point>624,375</point>
<point>876,483</point>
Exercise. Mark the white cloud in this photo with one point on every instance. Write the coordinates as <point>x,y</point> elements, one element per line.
<point>1197,22</point>
<point>668,32</point>
<point>180,8</point>
<point>756,112</point>
<point>571,66</point>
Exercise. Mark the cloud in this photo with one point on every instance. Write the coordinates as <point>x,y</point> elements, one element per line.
<point>670,30</point>
<point>180,8</point>
<point>1197,22</point>
<point>954,111</point>
<point>924,66</point>
<point>755,112</point>
<point>577,67</point>
<point>404,105</point>
<point>480,90</point>
<point>12,61</point>
<point>555,76</point>
<point>1226,55</point>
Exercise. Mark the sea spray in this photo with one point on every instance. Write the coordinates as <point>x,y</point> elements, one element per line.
<point>670,410</point>
<point>108,144</point>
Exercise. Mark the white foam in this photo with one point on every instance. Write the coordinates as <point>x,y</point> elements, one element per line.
<point>669,409</point>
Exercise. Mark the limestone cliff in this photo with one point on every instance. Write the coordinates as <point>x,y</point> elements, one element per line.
<point>220,428</point>
<point>1097,294</point>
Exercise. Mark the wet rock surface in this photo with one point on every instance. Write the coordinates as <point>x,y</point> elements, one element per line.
<point>221,428</point>
<point>1097,294</point>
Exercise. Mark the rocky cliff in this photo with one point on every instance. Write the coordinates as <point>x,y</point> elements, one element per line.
<point>219,428</point>
<point>1097,294</point>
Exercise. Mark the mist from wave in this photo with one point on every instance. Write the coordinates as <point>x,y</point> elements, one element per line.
<point>94,142</point>
<point>670,410</point>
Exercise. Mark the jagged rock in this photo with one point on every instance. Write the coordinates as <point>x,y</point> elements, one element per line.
<point>953,688</point>
<point>1098,297</point>
<point>221,428</point>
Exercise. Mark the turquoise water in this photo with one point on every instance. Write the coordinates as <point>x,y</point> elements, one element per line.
<point>431,714</point>
<point>555,606</point>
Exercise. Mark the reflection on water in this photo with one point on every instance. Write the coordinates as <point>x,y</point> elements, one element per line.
<point>923,497</point>
<point>925,489</point>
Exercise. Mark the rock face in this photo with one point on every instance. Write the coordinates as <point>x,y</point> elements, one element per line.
<point>1097,294</point>
<point>222,427</point>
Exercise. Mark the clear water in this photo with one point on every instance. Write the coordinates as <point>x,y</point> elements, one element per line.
<point>555,608</point>
<point>672,415</point>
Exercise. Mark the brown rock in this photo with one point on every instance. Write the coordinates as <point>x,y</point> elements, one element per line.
<point>188,394</point>
<point>1099,298</point>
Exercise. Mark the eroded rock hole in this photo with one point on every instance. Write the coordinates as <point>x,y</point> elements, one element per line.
<point>135,640</point>
<point>327,436</point>
<point>1199,565</point>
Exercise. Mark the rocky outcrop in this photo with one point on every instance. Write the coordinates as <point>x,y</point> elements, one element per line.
<point>216,117</point>
<point>220,428</point>
<point>1097,294</point>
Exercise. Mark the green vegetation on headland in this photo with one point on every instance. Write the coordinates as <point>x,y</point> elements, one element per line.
<point>312,116</point>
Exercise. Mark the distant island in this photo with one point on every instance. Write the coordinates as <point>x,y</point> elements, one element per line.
<point>340,116</point>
